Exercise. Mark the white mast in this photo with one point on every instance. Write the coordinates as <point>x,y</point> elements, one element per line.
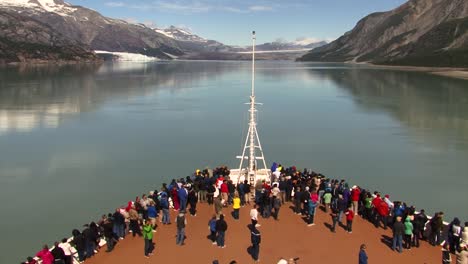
<point>252,138</point>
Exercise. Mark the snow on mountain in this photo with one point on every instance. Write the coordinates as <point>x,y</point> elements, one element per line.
<point>180,34</point>
<point>127,56</point>
<point>305,41</point>
<point>54,6</point>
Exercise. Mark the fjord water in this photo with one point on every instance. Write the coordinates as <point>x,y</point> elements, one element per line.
<point>78,141</point>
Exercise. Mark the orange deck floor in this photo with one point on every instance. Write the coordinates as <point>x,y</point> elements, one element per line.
<point>289,237</point>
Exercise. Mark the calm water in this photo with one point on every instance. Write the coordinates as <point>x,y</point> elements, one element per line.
<point>77,141</point>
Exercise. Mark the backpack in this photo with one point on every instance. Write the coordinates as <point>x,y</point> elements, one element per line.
<point>180,221</point>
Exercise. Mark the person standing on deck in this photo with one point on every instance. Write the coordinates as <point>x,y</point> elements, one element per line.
<point>175,198</point>
<point>363,254</point>
<point>327,200</point>
<point>134,226</point>
<point>240,193</point>
<point>119,224</point>
<point>276,207</point>
<point>224,192</point>
<point>212,228</point>
<point>255,238</point>
<point>341,204</point>
<point>462,255</point>
<point>45,255</point>
<point>165,209</point>
<point>436,228</point>
<point>67,249</point>
<point>108,227</point>
<point>254,216</point>
<point>355,193</point>
<point>58,253</point>
<point>334,216</point>
<point>408,232</point>
<point>398,231</point>
<point>79,244</point>
<point>236,204</point>
<point>192,201</point>
<point>312,205</point>
<point>221,228</point>
<point>247,192</point>
<point>218,206</point>
<point>349,220</point>
<point>297,200</point>
<point>181,221</point>
<point>148,237</point>
<point>152,214</point>
<point>182,193</point>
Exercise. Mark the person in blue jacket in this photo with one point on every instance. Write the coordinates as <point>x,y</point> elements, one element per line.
<point>363,254</point>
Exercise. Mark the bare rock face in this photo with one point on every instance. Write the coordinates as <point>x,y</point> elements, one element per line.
<point>419,32</point>
<point>26,40</point>
<point>82,26</point>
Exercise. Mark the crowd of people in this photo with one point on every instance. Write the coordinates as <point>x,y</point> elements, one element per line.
<point>306,190</point>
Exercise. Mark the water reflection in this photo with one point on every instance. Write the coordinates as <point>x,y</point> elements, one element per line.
<point>430,106</point>
<point>43,96</point>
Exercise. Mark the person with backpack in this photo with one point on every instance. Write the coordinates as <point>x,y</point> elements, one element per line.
<point>181,223</point>
<point>221,228</point>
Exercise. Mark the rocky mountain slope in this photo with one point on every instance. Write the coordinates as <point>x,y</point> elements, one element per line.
<point>23,39</point>
<point>419,32</point>
<point>197,47</point>
<point>86,27</point>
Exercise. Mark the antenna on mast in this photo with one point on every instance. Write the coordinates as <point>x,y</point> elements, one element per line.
<point>252,141</point>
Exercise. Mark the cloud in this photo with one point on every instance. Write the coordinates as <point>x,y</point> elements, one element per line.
<point>194,7</point>
<point>260,8</point>
<point>115,4</point>
<point>188,6</point>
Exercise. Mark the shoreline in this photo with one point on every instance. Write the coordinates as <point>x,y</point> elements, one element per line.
<point>458,73</point>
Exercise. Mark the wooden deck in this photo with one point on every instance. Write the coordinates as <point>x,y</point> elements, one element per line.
<point>289,237</point>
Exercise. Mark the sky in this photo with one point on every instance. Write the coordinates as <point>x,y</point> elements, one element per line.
<point>232,21</point>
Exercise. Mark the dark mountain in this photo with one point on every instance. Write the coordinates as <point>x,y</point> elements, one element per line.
<point>87,27</point>
<point>419,32</point>
<point>25,39</point>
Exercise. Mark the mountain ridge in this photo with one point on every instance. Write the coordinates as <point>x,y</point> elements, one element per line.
<point>414,33</point>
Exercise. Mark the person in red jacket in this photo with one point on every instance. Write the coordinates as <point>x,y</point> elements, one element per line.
<point>224,192</point>
<point>45,255</point>
<point>355,193</point>
<point>349,220</point>
<point>382,215</point>
<point>375,205</point>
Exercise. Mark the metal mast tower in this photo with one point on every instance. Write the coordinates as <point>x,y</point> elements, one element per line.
<point>252,141</point>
